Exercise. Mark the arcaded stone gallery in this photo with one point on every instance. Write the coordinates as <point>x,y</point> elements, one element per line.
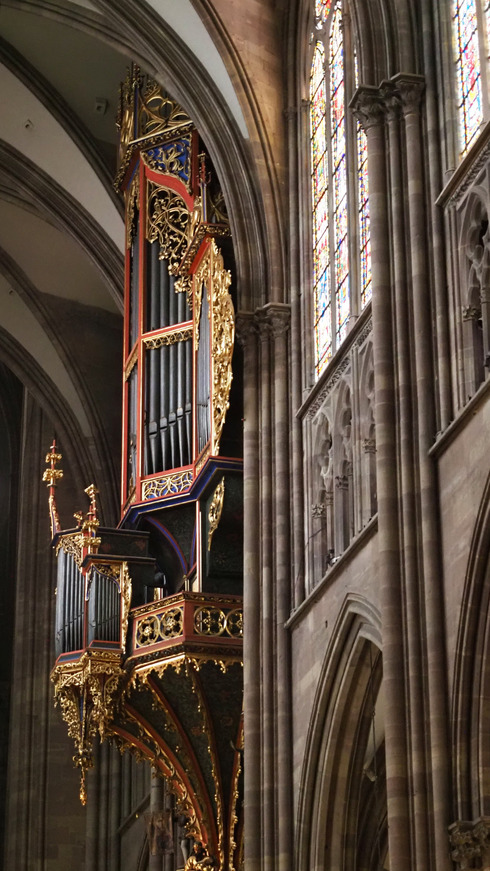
<point>244,416</point>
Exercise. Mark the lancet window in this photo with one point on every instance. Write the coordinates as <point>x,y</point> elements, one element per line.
<point>339,185</point>
<point>471,28</point>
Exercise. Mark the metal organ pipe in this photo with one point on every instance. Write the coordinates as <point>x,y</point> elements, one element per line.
<point>69,605</point>
<point>133,302</point>
<point>104,609</point>
<point>168,396</point>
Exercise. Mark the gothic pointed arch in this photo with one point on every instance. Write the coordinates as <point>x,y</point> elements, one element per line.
<point>143,36</point>
<point>342,791</point>
<point>470,722</point>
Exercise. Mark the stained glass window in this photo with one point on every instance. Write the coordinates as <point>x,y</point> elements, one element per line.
<point>333,160</point>
<point>468,71</point>
<point>319,186</point>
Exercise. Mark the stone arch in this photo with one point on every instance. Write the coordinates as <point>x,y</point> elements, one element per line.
<point>474,269</point>
<point>332,810</point>
<point>470,722</point>
<point>142,35</point>
<point>367,434</point>
<point>80,453</point>
<point>386,39</point>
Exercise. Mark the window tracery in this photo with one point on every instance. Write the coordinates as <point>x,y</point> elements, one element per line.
<point>340,208</point>
<point>471,28</point>
<point>340,437</point>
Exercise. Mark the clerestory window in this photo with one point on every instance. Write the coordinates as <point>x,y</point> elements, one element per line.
<point>339,184</point>
<point>471,39</point>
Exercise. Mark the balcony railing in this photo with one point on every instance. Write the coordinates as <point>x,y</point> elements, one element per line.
<point>188,619</point>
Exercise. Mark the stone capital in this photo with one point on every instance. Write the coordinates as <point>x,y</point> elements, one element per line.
<point>368,107</point>
<point>369,446</point>
<point>246,329</point>
<point>391,99</point>
<point>410,89</point>
<point>274,319</point>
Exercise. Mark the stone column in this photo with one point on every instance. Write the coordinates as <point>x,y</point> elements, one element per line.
<point>370,112</point>
<point>268,768</point>
<point>45,821</point>
<point>280,324</point>
<point>411,89</point>
<point>156,808</point>
<point>436,218</point>
<point>246,334</point>
<point>404,386</point>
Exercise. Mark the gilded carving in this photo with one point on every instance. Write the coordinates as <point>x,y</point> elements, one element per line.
<point>208,730</point>
<point>223,338</point>
<point>131,362</point>
<point>132,201</point>
<point>86,691</point>
<point>158,112</point>
<point>167,222</point>
<point>215,510</point>
<point>168,485</point>
<point>235,794</point>
<point>171,337</point>
<point>173,158</point>
<point>201,279</point>
<point>159,627</point>
<point>184,285</point>
<point>50,477</point>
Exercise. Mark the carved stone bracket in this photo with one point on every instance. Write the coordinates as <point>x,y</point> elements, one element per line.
<point>470,842</point>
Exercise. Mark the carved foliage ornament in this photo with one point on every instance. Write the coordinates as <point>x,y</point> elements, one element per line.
<point>171,158</point>
<point>223,339</point>
<point>86,691</point>
<point>215,510</point>
<point>167,223</point>
<point>470,841</point>
<point>158,112</point>
<point>132,201</point>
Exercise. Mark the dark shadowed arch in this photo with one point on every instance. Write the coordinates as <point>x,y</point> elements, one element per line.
<point>342,809</point>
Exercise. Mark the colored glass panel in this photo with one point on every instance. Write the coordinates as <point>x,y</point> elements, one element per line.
<point>468,75</point>
<point>339,171</point>
<point>319,187</point>
<point>364,218</point>
<point>322,8</point>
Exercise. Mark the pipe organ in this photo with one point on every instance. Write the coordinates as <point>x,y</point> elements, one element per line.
<point>149,616</point>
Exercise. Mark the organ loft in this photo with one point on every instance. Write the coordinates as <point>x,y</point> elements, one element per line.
<point>149,614</point>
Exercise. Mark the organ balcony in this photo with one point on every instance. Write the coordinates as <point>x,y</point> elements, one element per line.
<point>161,678</point>
<point>149,616</point>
